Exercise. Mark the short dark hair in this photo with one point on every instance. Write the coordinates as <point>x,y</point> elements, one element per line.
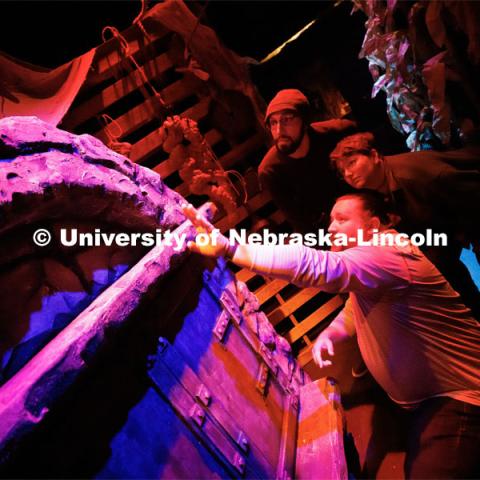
<point>363,142</point>
<point>374,203</point>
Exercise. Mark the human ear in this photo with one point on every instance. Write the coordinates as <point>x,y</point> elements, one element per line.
<point>374,224</point>
<point>375,156</point>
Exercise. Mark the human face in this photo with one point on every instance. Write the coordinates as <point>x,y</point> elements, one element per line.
<point>348,216</point>
<point>361,170</point>
<point>287,130</point>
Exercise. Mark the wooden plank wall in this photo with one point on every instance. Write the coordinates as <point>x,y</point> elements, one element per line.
<point>117,88</point>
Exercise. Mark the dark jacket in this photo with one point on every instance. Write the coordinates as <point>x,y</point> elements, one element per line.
<point>439,190</point>
<point>305,188</point>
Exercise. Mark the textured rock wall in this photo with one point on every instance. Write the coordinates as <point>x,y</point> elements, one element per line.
<point>53,179</point>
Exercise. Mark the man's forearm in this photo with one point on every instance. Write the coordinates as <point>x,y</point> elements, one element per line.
<point>279,261</point>
<point>339,330</point>
<point>300,265</point>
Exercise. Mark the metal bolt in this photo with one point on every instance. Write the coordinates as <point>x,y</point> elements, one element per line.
<point>162,344</point>
<point>239,463</point>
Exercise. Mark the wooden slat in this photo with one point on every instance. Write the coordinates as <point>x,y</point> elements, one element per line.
<point>277,217</point>
<point>305,356</point>
<point>291,317</point>
<point>153,69</point>
<point>294,303</point>
<point>242,212</point>
<point>226,161</point>
<point>199,110</point>
<point>109,54</point>
<point>143,113</point>
<point>267,291</point>
<point>151,142</point>
<point>244,275</point>
<point>314,319</point>
<point>242,150</point>
<point>130,121</point>
<point>239,151</point>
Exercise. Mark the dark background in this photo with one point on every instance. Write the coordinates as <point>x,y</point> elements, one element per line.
<point>323,59</point>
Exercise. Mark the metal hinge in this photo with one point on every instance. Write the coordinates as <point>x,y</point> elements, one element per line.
<point>221,325</point>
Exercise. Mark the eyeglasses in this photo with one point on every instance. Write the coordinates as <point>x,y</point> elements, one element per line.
<point>284,120</point>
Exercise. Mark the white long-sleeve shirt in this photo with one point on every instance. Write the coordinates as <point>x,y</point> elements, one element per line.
<point>416,336</point>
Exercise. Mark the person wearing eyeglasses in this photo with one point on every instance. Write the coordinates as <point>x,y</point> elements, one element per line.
<point>427,189</point>
<point>296,169</point>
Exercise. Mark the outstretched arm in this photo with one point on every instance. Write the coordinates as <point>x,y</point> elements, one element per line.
<point>357,269</point>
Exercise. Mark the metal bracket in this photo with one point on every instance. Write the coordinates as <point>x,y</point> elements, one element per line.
<point>262,378</point>
<point>197,414</point>
<point>239,463</point>
<point>221,325</point>
<point>268,358</point>
<point>242,441</point>
<point>229,303</point>
<point>203,395</point>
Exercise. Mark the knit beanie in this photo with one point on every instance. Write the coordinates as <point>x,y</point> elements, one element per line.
<point>289,99</point>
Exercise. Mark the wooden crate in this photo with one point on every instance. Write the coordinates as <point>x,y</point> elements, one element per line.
<point>210,400</point>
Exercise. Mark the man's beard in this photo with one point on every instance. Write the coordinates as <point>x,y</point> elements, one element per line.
<point>288,147</point>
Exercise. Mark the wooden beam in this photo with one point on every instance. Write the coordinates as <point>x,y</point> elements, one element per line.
<point>292,304</point>
<point>291,317</point>
<point>320,450</point>
<point>242,150</point>
<point>266,292</point>
<point>305,356</point>
<point>244,275</point>
<point>238,152</point>
<point>314,319</point>
<point>109,54</point>
<point>91,107</point>
<point>242,212</point>
<point>28,396</point>
<point>143,113</point>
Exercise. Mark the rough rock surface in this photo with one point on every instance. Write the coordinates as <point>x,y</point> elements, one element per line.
<point>52,179</point>
<point>47,172</point>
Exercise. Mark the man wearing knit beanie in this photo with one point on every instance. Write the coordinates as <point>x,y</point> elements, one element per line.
<point>289,108</point>
<point>296,169</point>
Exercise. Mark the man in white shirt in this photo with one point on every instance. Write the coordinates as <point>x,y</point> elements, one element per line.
<point>417,338</point>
